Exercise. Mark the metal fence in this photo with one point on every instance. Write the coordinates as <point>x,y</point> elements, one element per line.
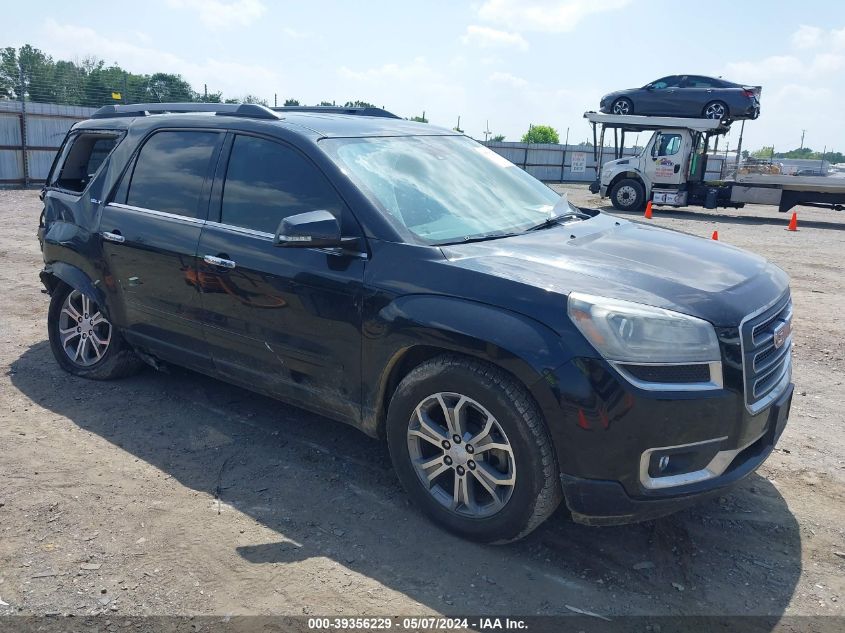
<point>551,162</point>
<point>28,142</point>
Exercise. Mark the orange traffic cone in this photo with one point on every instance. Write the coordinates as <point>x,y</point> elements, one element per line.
<point>648,210</point>
<point>793,223</point>
<point>715,235</point>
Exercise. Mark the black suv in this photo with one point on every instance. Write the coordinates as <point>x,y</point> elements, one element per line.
<point>512,349</point>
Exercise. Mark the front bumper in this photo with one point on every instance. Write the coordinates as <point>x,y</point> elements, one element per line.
<point>603,502</point>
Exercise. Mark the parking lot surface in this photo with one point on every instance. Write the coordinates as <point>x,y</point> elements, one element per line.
<point>174,493</point>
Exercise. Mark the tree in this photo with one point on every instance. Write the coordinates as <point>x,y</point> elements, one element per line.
<point>767,151</point>
<point>359,104</point>
<point>327,103</point>
<point>541,134</point>
<point>168,88</point>
<point>419,119</point>
<point>498,138</point>
<point>291,102</point>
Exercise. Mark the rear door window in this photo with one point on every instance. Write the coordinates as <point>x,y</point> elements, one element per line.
<point>171,171</point>
<point>267,182</point>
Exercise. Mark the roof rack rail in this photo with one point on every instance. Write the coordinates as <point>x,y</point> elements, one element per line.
<point>248,110</point>
<point>360,111</point>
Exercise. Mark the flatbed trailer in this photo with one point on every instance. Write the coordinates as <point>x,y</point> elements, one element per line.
<point>671,169</point>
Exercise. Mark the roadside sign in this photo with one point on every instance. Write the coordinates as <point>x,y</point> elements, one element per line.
<point>579,162</point>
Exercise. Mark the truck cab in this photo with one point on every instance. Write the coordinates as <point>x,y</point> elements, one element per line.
<point>669,170</point>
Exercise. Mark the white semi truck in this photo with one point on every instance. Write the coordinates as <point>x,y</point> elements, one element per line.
<point>672,169</point>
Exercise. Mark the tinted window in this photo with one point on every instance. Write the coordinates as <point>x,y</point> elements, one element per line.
<point>694,81</point>
<point>266,182</point>
<point>171,170</point>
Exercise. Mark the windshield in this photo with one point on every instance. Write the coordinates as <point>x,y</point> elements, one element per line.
<point>445,188</point>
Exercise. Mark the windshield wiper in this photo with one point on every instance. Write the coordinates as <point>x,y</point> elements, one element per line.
<point>555,219</point>
<point>476,238</point>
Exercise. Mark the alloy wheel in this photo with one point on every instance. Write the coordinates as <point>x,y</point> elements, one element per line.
<point>461,454</point>
<point>715,111</point>
<point>84,333</point>
<point>621,107</point>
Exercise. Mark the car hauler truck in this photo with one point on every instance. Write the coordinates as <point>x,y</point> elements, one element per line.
<point>672,169</point>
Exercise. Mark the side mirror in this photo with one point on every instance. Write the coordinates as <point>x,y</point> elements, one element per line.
<point>650,87</point>
<point>315,229</point>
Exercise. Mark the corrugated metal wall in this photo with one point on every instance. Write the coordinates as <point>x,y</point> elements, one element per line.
<point>46,126</point>
<point>553,163</point>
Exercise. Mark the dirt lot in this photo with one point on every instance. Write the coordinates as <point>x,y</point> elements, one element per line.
<point>175,493</point>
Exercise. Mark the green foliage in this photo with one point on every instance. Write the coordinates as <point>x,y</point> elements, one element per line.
<point>359,104</point>
<point>419,119</point>
<point>291,102</point>
<point>327,103</point>
<point>767,151</point>
<point>541,134</point>
<point>498,138</point>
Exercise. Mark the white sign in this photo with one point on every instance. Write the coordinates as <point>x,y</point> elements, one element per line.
<point>579,162</point>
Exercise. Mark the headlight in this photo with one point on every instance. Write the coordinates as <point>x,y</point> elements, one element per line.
<point>627,332</point>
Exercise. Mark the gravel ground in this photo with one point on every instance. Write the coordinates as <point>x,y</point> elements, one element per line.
<point>173,493</point>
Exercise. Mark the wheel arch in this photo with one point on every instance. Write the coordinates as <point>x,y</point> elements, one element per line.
<point>629,174</point>
<point>525,349</point>
<point>61,272</point>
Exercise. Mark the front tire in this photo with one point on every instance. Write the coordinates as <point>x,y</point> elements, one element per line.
<point>83,341</point>
<point>471,449</point>
<point>627,195</point>
<point>622,106</point>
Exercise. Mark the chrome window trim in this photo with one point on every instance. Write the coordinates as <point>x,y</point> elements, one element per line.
<point>162,214</point>
<point>263,235</point>
<point>716,381</point>
<point>717,466</point>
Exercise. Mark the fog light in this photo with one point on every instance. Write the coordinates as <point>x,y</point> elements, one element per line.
<point>663,464</point>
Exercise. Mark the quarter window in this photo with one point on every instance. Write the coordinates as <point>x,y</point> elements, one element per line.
<point>267,182</point>
<point>81,157</point>
<point>171,170</point>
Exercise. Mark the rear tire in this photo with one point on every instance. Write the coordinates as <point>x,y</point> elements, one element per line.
<point>83,341</point>
<point>716,110</point>
<point>627,195</point>
<point>622,106</point>
<point>493,481</point>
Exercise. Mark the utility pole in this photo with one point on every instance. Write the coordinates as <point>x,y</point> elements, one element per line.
<point>205,92</point>
<point>22,95</point>
<point>275,100</point>
<point>487,130</point>
<point>803,132</point>
<point>739,145</point>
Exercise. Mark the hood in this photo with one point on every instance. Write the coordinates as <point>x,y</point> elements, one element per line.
<point>633,261</point>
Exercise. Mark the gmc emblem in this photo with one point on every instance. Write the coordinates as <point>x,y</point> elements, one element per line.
<point>781,333</point>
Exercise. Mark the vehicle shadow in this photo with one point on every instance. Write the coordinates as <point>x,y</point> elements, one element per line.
<point>724,216</point>
<point>329,491</point>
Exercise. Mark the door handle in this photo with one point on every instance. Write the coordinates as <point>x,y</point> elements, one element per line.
<point>677,168</point>
<point>113,236</point>
<point>219,261</point>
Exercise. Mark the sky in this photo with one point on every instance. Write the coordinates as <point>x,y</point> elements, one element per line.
<point>505,64</point>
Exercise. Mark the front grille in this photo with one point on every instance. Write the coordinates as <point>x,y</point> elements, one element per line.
<point>764,365</point>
